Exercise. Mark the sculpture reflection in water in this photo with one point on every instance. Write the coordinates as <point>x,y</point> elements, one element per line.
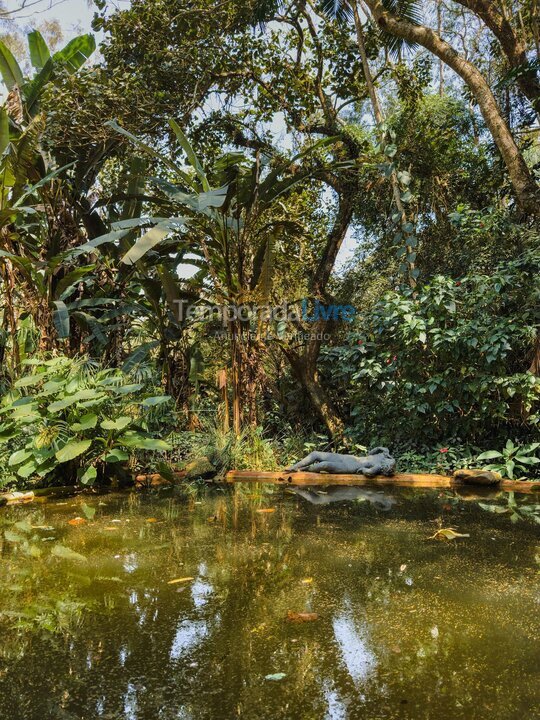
<point>341,493</point>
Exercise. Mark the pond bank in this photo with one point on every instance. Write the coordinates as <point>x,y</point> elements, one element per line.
<point>302,479</point>
<point>415,480</point>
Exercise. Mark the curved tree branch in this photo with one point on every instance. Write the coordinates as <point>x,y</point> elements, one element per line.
<point>526,189</point>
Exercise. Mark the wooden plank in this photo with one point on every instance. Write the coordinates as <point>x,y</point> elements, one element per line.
<point>416,480</point>
<point>39,494</point>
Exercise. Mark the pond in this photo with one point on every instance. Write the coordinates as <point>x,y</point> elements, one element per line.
<point>262,603</point>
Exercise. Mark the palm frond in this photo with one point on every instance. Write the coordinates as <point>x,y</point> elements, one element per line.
<point>409,10</point>
<point>337,9</point>
<point>264,10</point>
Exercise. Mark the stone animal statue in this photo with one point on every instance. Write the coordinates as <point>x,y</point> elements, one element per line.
<point>377,462</point>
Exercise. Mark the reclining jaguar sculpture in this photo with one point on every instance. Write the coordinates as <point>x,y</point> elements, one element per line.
<point>377,462</point>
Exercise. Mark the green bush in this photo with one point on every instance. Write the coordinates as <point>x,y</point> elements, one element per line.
<point>70,417</point>
<point>445,363</point>
<point>251,450</point>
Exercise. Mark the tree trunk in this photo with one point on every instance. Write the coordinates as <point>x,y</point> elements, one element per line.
<point>245,375</point>
<point>9,310</point>
<point>439,31</point>
<point>304,366</point>
<point>514,48</point>
<point>379,119</point>
<point>527,192</point>
<point>534,369</point>
<point>306,372</point>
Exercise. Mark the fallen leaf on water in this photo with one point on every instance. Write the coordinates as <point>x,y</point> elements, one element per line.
<point>103,578</point>
<point>307,581</point>
<point>179,580</point>
<point>447,534</point>
<point>61,551</point>
<point>266,510</point>
<point>275,676</point>
<point>300,617</point>
<point>77,521</point>
<point>89,511</point>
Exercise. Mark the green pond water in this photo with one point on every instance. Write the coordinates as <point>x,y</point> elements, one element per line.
<point>407,627</point>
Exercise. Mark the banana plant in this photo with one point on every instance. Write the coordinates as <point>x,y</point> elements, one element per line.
<point>28,184</point>
<point>25,93</point>
<point>232,216</point>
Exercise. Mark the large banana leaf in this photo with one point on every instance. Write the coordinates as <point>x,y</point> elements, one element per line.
<point>40,183</point>
<point>146,242</point>
<point>135,187</point>
<point>152,238</point>
<point>65,286</point>
<point>89,322</point>
<point>150,150</point>
<point>198,201</point>
<point>33,89</point>
<point>138,355</point>
<point>9,68</point>
<point>91,245</point>
<point>61,319</point>
<point>76,52</point>
<point>191,155</point>
<point>39,52</point>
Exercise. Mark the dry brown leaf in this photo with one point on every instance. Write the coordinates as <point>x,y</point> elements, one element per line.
<point>77,521</point>
<point>448,534</point>
<point>301,617</point>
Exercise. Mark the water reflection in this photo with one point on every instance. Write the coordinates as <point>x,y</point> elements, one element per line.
<point>188,635</point>
<point>339,493</point>
<point>352,636</point>
<point>394,613</point>
<point>336,707</point>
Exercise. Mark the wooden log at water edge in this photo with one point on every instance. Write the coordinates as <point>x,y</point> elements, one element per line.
<point>414,480</point>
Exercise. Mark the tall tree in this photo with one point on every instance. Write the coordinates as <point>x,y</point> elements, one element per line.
<point>525,187</point>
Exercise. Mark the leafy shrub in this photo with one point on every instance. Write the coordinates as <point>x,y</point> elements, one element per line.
<point>70,416</point>
<point>446,361</point>
<point>512,458</point>
<point>226,451</point>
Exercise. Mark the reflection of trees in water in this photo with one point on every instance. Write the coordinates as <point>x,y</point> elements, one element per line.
<point>202,649</point>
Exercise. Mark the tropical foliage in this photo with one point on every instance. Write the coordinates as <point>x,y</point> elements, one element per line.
<point>312,155</point>
<point>71,418</point>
